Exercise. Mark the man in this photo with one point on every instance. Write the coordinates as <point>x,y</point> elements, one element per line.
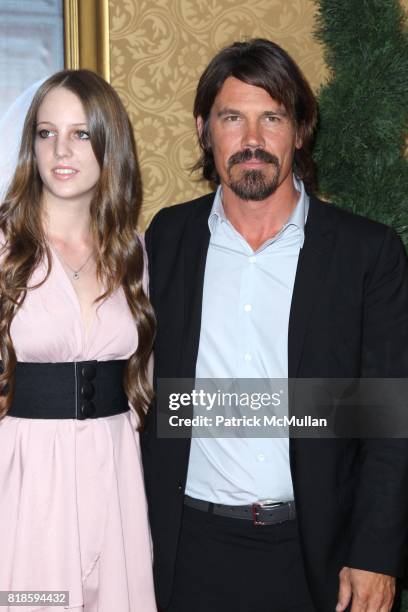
<point>262,280</point>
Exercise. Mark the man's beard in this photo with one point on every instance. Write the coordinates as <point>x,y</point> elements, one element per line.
<point>253,184</point>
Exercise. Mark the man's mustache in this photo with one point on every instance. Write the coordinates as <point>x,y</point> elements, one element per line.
<point>248,154</point>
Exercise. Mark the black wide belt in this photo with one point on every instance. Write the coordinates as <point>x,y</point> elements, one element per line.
<point>73,390</point>
<point>260,513</point>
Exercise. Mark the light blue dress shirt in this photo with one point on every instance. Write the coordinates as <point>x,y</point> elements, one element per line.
<point>244,334</point>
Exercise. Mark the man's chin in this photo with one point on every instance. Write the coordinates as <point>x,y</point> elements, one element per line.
<point>253,185</point>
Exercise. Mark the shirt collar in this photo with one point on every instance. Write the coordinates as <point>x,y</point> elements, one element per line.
<point>297,218</point>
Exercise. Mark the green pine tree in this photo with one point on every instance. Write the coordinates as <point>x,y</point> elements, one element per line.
<point>361,140</point>
<point>361,144</point>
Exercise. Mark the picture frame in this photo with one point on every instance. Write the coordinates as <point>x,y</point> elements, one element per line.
<point>86,35</point>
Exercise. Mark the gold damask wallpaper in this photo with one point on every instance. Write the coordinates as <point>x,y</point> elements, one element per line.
<point>159,49</point>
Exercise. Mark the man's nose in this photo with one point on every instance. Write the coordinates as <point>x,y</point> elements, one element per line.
<point>253,136</point>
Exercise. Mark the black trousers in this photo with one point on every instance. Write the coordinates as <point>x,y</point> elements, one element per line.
<point>231,565</point>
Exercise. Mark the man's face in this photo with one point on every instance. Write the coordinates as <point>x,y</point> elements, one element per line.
<point>252,138</point>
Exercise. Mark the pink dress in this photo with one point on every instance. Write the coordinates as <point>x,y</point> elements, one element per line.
<point>73,513</point>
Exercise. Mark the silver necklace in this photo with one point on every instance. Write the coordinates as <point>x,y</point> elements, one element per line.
<point>75,273</point>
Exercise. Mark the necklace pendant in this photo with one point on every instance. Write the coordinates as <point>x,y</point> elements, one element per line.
<point>76,275</point>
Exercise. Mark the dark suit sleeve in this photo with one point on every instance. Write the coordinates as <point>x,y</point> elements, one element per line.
<point>149,240</point>
<point>380,514</point>
<point>149,428</point>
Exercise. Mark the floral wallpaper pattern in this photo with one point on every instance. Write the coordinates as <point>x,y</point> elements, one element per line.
<point>159,48</point>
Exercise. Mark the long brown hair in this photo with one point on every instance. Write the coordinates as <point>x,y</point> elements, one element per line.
<point>264,64</point>
<point>114,210</point>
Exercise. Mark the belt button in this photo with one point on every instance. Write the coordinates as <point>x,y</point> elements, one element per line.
<point>87,390</point>
<point>87,409</point>
<point>88,372</point>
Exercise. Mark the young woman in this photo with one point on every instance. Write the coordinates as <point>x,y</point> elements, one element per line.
<point>76,332</point>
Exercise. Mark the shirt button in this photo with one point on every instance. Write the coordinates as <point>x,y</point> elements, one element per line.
<point>247,356</point>
<point>252,259</point>
<point>261,457</point>
<point>248,307</point>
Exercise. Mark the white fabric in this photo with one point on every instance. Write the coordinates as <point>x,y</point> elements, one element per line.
<point>244,335</point>
<point>11,127</point>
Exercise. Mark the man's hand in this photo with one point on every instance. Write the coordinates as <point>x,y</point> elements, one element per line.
<point>367,591</point>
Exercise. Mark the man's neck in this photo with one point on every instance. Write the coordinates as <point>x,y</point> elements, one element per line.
<point>258,221</point>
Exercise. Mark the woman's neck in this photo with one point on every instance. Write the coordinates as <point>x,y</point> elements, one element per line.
<point>67,222</point>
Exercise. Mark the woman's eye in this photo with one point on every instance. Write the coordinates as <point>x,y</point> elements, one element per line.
<point>45,133</point>
<point>82,135</point>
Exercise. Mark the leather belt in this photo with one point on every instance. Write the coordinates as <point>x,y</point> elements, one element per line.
<point>70,390</point>
<point>266,512</point>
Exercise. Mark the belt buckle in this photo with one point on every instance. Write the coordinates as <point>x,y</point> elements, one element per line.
<point>265,503</point>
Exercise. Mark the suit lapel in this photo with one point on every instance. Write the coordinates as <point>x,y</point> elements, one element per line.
<point>196,241</point>
<point>311,272</point>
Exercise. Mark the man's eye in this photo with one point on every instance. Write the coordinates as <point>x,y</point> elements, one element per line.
<point>82,135</point>
<point>272,118</point>
<point>45,133</point>
<point>232,118</point>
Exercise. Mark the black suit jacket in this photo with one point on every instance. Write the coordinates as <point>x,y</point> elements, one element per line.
<point>348,318</point>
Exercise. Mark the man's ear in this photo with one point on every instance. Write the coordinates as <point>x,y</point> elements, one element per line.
<point>203,131</point>
<point>299,139</point>
<point>200,127</point>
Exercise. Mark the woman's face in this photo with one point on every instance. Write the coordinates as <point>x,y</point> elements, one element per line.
<point>66,162</point>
